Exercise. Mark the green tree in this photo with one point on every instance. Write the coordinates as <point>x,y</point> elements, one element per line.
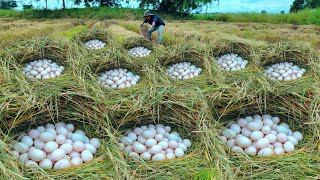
<point>102,3</point>
<point>8,4</point>
<point>297,5</point>
<point>175,6</point>
<point>313,3</point>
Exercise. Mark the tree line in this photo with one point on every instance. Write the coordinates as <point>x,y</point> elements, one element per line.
<point>172,6</point>
<point>299,5</point>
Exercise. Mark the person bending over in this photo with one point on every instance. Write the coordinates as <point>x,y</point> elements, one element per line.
<point>157,24</point>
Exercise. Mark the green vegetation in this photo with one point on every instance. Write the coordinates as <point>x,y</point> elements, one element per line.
<point>298,5</point>
<point>307,16</point>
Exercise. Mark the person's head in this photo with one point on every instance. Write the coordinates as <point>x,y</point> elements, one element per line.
<point>147,15</point>
<point>148,18</point>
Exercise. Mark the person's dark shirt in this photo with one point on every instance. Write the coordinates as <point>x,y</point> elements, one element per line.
<point>156,19</point>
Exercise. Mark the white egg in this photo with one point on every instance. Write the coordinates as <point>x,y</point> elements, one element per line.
<point>69,141</point>
<point>256,135</point>
<point>24,157</point>
<point>76,161</point>
<point>47,136</point>
<point>40,129</point>
<point>281,137</point>
<point>265,152</point>
<point>78,146</point>
<point>161,130</point>
<point>15,154</point>
<point>34,134</point>
<point>126,141</point>
<point>231,142</point>
<point>155,149</point>
<point>31,163</point>
<point>272,138</point>
<point>173,144</point>
<point>27,140</point>
<point>139,148</point>
<point>236,128</point>
<point>132,135</point>
<point>228,133</point>
<point>278,150</point>
<point>77,137</point>
<point>266,129</point>
<point>37,155</point>
<point>254,126</point>
<point>293,140</point>
<point>62,130</point>
<point>141,140</point>
<point>74,154</point>
<point>68,148</point>
<point>262,143</point>
<point>148,134</point>
<point>62,164</point>
<point>20,147</point>
<point>288,146</point>
<point>50,146</point>
<point>38,144</point>
<point>60,139</point>
<point>150,142</point>
<point>86,156</point>
<point>187,142</point>
<point>159,157</point>
<point>179,152</point>
<point>246,132</point>
<point>70,127</point>
<point>91,148</point>
<point>57,155</point>
<point>138,131</point>
<point>95,142</point>
<point>237,149</point>
<point>182,146</point>
<point>277,144</point>
<point>46,164</point>
<point>243,142</point>
<point>251,151</point>
<point>298,135</point>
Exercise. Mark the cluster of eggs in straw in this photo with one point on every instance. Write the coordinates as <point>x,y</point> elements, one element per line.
<point>285,71</point>
<point>139,51</point>
<point>260,135</point>
<point>94,44</point>
<point>42,69</point>
<point>231,62</point>
<point>55,146</point>
<point>156,142</point>
<point>183,70</point>
<point>118,79</point>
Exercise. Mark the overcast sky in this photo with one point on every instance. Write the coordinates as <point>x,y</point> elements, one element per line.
<point>229,6</point>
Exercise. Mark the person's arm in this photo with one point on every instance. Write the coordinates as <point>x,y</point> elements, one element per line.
<point>143,23</point>
<point>155,19</point>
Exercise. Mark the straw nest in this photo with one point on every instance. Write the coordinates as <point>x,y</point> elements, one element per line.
<point>95,33</point>
<point>198,108</point>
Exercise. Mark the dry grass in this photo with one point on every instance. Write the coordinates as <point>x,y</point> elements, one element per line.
<point>197,108</point>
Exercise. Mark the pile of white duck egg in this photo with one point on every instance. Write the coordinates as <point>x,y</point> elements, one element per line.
<point>55,146</point>
<point>139,51</point>
<point>94,44</point>
<point>260,135</point>
<point>42,69</point>
<point>284,71</point>
<point>118,79</point>
<point>154,142</point>
<point>183,70</point>
<point>231,62</point>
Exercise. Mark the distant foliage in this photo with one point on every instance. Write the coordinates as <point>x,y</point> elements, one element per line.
<point>101,3</point>
<point>298,5</point>
<point>177,6</point>
<point>8,4</point>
